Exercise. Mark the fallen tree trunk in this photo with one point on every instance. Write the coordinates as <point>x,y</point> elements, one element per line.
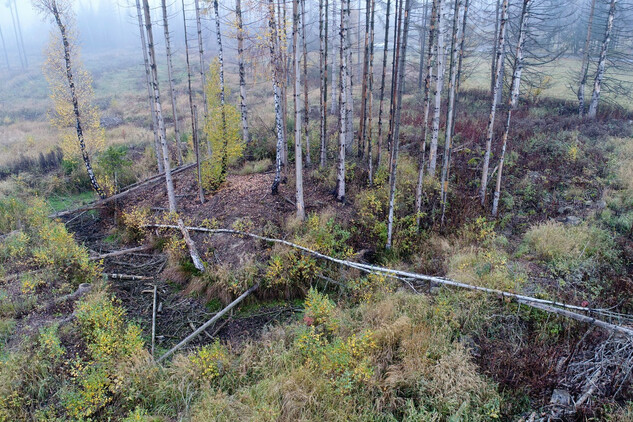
<point>542,304</point>
<point>193,251</point>
<point>208,323</point>
<point>121,252</point>
<point>133,187</point>
<point>128,277</point>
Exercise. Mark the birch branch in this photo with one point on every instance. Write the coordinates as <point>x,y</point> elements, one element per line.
<point>121,252</point>
<point>193,251</point>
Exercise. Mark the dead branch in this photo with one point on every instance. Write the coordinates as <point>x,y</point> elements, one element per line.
<point>128,277</point>
<point>209,322</point>
<point>193,251</point>
<point>119,253</point>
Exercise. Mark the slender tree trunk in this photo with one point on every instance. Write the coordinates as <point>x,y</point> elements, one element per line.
<point>4,49</point>
<point>172,92</point>
<point>343,78</point>
<point>150,95</point>
<point>370,122</point>
<point>493,108</point>
<point>157,108</point>
<point>382,82</point>
<point>75,100</point>
<point>335,66</point>
<point>274,58</point>
<point>584,68</point>
<point>296,61</point>
<point>597,84</point>
<point>512,101</point>
<point>495,47</point>
<point>394,69</point>
<point>17,37</point>
<point>427,106</point>
<point>283,79</point>
<point>225,140</point>
<point>21,40</point>
<point>396,135</point>
<point>462,44</point>
<point>323,37</point>
<point>240,58</point>
<point>362,131</point>
<point>192,108</point>
<point>203,79</point>
<point>439,84</point>
<point>452,82</point>
<point>306,104</point>
<point>422,46</point>
<point>350,82</point>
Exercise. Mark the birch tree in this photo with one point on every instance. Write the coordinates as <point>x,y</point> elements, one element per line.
<point>382,81</point>
<point>396,133</point>
<point>584,68</point>
<point>306,104</point>
<point>203,80</point>
<point>297,108</point>
<point>512,101</point>
<point>343,79</point>
<point>150,97</point>
<point>66,96</point>
<point>274,58</point>
<point>158,109</point>
<point>493,108</point>
<point>242,72</point>
<point>362,132</point>
<point>370,155</point>
<point>170,77</point>
<point>224,152</point>
<point>335,66</point>
<point>323,73</point>
<point>597,83</point>
<point>439,83</point>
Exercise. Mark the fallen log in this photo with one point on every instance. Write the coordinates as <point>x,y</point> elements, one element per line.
<point>128,277</point>
<point>121,252</point>
<point>131,188</point>
<point>209,322</point>
<point>193,251</point>
<point>542,304</point>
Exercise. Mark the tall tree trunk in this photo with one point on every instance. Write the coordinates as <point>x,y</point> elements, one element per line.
<point>452,82</point>
<point>157,108</point>
<point>225,140</point>
<point>382,82</point>
<point>19,29</point>
<point>296,64</point>
<point>284,77</point>
<point>242,72</point>
<point>422,45</point>
<point>276,74</point>
<point>4,49</point>
<point>172,92</point>
<point>439,84</point>
<point>584,68</point>
<point>427,106</point>
<point>402,53</point>
<point>203,79</point>
<point>350,82</point>
<point>15,33</point>
<point>597,83</point>
<point>192,108</point>
<point>495,47</point>
<point>512,101</point>
<point>75,100</point>
<point>306,104</point>
<point>343,78</point>
<point>150,95</point>
<point>362,130</point>
<point>323,70</point>
<point>394,69</point>
<point>370,122</point>
<point>493,108</point>
<point>335,66</point>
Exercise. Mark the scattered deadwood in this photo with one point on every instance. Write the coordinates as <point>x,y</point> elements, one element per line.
<point>101,202</point>
<point>193,251</point>
<point>128,277</point>
<point>558,308</point>
<point>121,252</point>
<point>209,322</point>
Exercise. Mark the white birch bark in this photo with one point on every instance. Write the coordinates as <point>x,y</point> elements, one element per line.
<point>343,78</point>
<point>584,68</point>
<point>323,71</point>
<point>203,79</point>
<point>242,72</point>
<point>225,153</point>
<point>274,58</point>
<point>597,84</point>
<point>439,84</point>
<point>493,107</point>
<point>172,92</point>
<point>300,207</point>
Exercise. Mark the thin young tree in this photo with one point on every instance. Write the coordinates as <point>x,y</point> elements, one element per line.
<point>276,74</point>
<point>423,26</point>
<point>158,109</point>
<point>343,79</point>
<point>323,71</point>
<point>439,84</point>
<point>349,103</point>
<point>370,112</point>
<point>335,66</point>
<point>584,68</point>
<point>224,157</point>
<point>427,105</point>
<point>597,83</point>
<point>203,79</point>
<point>382,81</point>
<point>17,27</point>
<point>362,131</point>
<point>493,107</point>
<point>402,53</point>
<point>170,76</point>
<point>296,59</point>
<point>150,96</point>
<point>450,110</point>
<point>306,104</point>
<point>242,72</point>
<point>394,70</point>
<point>512,101</point>
<point>61,12</point>
<point>4,49</point>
